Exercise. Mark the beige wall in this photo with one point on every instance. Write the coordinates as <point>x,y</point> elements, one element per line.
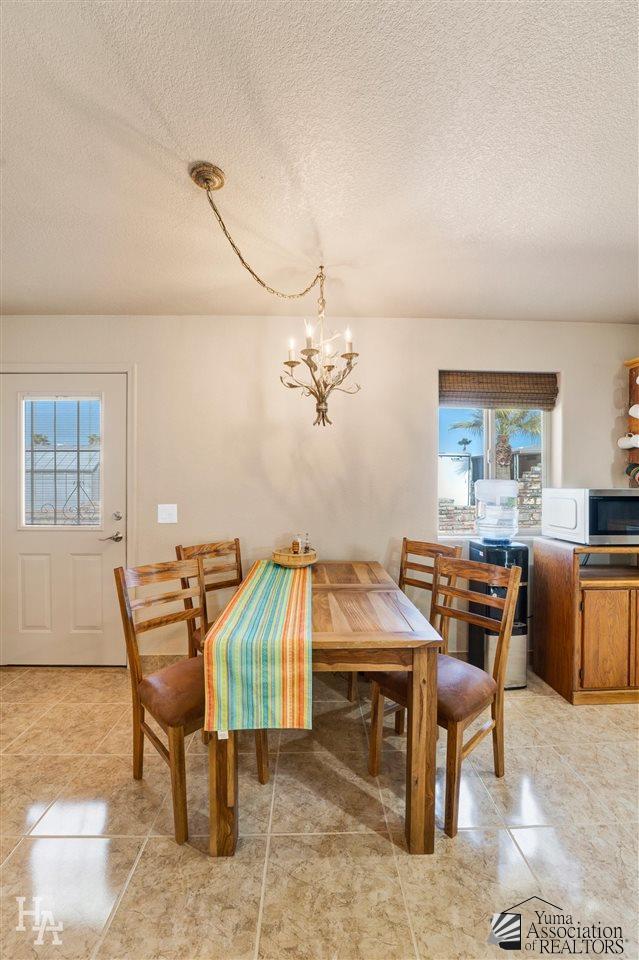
<point>219,436</point>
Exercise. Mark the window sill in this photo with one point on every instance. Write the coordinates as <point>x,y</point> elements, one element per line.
<point>526,534</point>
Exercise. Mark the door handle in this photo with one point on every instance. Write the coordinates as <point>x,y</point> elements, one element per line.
<point>116,537</point>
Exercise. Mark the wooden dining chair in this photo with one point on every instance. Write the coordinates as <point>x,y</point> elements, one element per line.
<point>222,563</point>
<point>416,573</point>
<point>174,696</point>
<point>222,569</point>
<point>463,690</point>
<point>424,581</point>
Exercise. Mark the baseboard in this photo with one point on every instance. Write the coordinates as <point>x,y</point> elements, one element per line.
<point>605,696</point>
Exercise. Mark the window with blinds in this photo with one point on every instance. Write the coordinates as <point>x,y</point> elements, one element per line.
<point>62,461</point>
<point>491,390</point>
<point>491,424</point>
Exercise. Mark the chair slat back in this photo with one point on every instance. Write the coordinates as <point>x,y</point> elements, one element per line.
<point>221,559</point>
<point>180,571</point>
<point>164,598</point>
<point>446,592</point>
<point>426,550</point>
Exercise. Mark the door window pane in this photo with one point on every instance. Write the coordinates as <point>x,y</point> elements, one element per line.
<point>518,457</point>
<point>62,461</point>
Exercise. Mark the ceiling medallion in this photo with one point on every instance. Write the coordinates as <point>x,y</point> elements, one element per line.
<point>328,366</point>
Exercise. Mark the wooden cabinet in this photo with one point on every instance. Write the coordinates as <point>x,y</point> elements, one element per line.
<point>586,620</point>
<point>607,638</point>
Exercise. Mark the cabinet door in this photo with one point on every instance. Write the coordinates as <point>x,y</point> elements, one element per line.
<point>607,619</point>
<point>634,638</point>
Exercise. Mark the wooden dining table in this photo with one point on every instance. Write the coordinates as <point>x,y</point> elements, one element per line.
<point>361,621</point>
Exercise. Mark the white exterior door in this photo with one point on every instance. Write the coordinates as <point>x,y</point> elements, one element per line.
<point>63,496</point>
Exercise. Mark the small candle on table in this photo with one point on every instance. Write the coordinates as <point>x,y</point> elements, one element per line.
<point>348,336</point>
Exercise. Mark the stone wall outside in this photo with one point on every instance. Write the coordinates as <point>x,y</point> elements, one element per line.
<point>455,519</point>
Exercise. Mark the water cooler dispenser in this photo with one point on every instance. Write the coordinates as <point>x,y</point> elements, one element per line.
<point>481,643</point>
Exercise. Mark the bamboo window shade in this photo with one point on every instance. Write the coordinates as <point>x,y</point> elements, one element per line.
<point>503,390</point>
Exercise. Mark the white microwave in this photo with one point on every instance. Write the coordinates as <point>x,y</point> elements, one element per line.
<point>590,516</point>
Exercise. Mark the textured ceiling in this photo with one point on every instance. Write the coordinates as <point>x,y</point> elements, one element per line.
<point>453,159</point>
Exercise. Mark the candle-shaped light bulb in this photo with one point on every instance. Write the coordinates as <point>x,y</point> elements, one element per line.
<point>327,348</point>
<point>291,349</point>
<point>309,335</point>
<point>348,337</point>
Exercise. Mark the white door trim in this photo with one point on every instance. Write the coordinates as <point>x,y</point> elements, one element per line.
<point>130,370</point>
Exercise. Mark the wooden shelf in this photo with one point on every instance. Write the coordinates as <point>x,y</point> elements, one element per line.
<point>609,576</point>
<point>600,548</point>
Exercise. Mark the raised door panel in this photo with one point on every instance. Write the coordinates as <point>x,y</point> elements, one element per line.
<point>607,617</point>
<point>87,579</point>
<point>34,592</point>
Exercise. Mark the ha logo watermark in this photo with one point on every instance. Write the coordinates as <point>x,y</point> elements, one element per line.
<point>551,931</point>
<point>43,922</point>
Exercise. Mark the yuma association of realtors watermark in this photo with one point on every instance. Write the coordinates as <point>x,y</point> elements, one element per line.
<point>43,922</point>
<point>553,934</point>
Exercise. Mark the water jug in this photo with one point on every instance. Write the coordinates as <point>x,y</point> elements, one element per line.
<point>497,513</point>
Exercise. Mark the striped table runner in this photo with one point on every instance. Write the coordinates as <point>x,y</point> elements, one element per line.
<point>258,653</point>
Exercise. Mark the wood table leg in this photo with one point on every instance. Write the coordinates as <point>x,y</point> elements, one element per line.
<point>223,795</point>
<point>421,761</point>
<point>261,752</point>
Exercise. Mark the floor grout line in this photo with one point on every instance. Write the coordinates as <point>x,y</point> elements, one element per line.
<point>55,800</point>
<point>489,828</point>
<point>101,836</point>
<point>267,851</point>
<point>110,730</point>
<point>525,858</point>
<point>7,752</point>
<point>118,901</point>
<point>6,859</point>
<point>394,851</point>
<point>565,761</point>
<point>31,724</point>
<point>17,676</point>
<point>310,833</point>
<point>492,800</point>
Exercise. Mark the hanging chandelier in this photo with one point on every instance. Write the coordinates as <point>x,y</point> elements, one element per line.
<point>327,364</point>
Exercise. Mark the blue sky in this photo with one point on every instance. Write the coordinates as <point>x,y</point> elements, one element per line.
<point>448,439</point>
<point>66,425</point>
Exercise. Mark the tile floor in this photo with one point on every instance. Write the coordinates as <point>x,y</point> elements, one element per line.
<point>321,869</point>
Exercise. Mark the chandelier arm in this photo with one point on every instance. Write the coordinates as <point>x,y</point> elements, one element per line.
<point>298,384</point>
<point>355,389</point>
<point>318,387</point>
<point>318,278</point>
<point>342,375</point>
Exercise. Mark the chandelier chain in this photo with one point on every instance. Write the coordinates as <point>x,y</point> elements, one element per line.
<point>318,278</point>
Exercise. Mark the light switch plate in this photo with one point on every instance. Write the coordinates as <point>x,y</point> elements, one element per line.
<point>167,513</point>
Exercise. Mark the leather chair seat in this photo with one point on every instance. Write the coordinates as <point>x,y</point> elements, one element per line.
<point>175,695</point>
<point>462,689</point>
